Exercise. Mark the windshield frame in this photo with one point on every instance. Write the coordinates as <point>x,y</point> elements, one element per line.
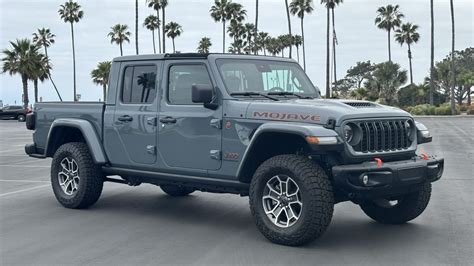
<point>218,63</point>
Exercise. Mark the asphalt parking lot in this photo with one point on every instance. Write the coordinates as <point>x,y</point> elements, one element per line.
<point>141,225</point>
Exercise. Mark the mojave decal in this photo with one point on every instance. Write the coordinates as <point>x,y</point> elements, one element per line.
<point>286,116</point>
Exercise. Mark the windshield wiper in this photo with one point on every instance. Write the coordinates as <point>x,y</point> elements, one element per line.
<point>284,93</point>
<point>253,93</point>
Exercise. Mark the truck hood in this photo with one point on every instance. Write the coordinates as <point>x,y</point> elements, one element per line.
<point>319,111</point>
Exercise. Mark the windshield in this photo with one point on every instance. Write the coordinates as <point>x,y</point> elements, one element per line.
<point>265,77</point>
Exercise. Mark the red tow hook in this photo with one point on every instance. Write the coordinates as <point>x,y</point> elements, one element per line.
<point>379,162</point>
<point>425,156</point>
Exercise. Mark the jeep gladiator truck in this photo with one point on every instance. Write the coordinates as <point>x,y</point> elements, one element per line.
<point>249,125</point>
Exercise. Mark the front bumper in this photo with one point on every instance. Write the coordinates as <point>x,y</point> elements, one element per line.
<point>372,180</point>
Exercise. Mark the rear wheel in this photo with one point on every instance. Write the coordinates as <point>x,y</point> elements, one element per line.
<point>77,181</point>
<point>21,118</point>
<point>291,200</point>
<point>398,210</point>
<point>176,191</point>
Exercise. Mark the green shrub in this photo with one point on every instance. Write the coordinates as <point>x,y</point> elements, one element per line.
<point>426,109</point>
<point>470,111</point>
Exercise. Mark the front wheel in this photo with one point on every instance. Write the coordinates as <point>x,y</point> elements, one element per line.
<point>398,210</point>
<point>77,181</point>
<point>21,118</point>
<point>291,200</point>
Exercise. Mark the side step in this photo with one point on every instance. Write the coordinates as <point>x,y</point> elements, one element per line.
<point>205,184</point>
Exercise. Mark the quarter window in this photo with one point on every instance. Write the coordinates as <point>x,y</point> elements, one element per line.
<point>139,84</point>
<point>182,78</point>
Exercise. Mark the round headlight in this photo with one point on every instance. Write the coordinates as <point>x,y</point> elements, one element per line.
<point>348,133</point>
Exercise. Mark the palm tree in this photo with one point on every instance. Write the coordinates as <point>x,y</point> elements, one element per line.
<point>287,8</point>
<point>256,26</point>
<point>70,12</point>
<point>330,5</point>
<point>408,34</point>
<point>297,42</point>
<point>300,8</point>
<point>152,23</point>
<point>136,26</point>
<point>173,30</point>
<point>432,69</point>
<point>219,14</point>
<point>41,71</point>
<point>156,5</point>
<point>100,76</point>
<point>236,12</point>
<point>204,45</point>
<point>262,41</point>
<point>453,39</point>
<point>236,31</point>
<point>249,34</point>
<point>164,4</point>
<point>119,34</point>
<point>20,59</point>
<point>44,38</point>
<point>388,18</point>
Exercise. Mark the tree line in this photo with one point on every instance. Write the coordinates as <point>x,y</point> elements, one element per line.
<point>26,59</point>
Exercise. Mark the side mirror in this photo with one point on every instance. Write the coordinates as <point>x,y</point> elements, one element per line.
<point>202,93</point>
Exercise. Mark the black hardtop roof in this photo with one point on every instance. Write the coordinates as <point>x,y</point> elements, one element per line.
<point>196,56</point>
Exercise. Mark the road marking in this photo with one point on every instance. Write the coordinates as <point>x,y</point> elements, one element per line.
<point>25,181</point>
<point>22,190</point>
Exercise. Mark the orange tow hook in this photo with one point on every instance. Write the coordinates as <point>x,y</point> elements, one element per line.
<point>379,162</point>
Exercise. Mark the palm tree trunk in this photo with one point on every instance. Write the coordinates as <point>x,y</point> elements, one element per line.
<point>334,49</point>
<point>389,49</point>
<point>328,89</point>
<point>104,91</point>
<point>223,36</point>
<point>453,38</point>
<point>174,50</point>
<point>24,80</point>
<point>136,26</point>
<point>411,67</point>
<point>35,86</point>
<point>153,36</point>
<point>298,53</point>
<point>121,51</point>
<point>256,26</point>
<point>159,31</point>
<point>73,64</point>
<point>304,48</point>
<point>432,54</point>
<point>49,75</point>
<point>163,29</point>
<point>289,24</point>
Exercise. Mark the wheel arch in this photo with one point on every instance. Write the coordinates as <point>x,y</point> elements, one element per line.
<point>75,130</point>
<point>277,138</point>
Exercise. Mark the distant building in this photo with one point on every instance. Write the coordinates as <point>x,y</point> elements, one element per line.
<point>1,103</point>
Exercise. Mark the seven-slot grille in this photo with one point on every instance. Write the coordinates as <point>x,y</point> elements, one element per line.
<point>383,135</point>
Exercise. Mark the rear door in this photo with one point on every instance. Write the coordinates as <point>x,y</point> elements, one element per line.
<point>135,116</point>
<point>189,134</point>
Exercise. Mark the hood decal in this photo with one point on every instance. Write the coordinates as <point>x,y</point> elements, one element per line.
<point>286,116</point>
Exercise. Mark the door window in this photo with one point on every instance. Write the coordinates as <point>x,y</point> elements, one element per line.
<point>182,78</point>
<point>139,84</point>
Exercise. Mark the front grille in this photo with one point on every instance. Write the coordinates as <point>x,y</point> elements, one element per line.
<point>383,136</point>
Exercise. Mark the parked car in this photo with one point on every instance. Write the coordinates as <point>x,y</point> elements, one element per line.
<point>14,112</point>
<point>249,125</point>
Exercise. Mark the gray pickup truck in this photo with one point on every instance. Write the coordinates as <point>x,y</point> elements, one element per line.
<point>249,125</point>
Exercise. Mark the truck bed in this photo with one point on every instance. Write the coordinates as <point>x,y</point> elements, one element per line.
<point>47,112</point>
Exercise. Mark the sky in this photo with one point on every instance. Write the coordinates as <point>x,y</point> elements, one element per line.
<point>359,39</point>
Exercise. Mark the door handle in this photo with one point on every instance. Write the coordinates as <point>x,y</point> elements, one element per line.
<point>168,120</point>
<point>125,118</point>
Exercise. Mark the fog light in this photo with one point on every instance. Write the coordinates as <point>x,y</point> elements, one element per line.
<point>365,179</point>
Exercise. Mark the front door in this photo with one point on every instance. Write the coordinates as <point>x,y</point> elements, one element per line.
<point>189,134</point>
<point>135,118</point>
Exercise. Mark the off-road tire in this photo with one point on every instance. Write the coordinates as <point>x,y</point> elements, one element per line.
<point>176,191</point>
<point>408,207</point>
<point>21,118</point>
<point>91,177</point>
<point>316,194</point>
